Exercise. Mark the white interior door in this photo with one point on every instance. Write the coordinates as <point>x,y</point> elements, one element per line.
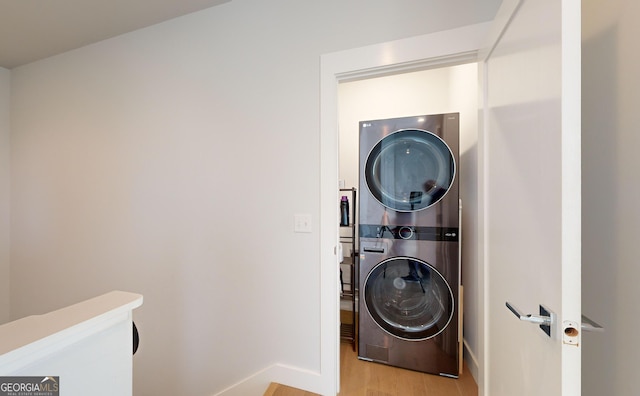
<point>531,160</point>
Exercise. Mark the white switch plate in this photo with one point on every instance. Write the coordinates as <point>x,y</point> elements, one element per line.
<point>302,223</point>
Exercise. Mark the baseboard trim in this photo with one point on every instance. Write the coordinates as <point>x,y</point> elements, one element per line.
<point>471,360</point>
<point>257,383</point>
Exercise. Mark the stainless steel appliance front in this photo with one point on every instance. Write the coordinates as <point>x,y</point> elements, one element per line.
<point>408,173</point>
<point>409,272</point>
<point>408,310</point>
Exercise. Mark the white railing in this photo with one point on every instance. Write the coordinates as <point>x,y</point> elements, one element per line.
<point>88,346</point>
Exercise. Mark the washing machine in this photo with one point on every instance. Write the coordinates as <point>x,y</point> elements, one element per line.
<point>409,233</point>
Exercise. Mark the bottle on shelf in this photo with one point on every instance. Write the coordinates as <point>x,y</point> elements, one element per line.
<point>344,211</point>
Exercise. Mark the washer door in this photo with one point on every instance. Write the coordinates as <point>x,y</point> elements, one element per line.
<point>408,298</point>
<point>409,170</point>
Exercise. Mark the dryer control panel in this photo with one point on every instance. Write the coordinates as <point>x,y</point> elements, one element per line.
<point>409,232</point>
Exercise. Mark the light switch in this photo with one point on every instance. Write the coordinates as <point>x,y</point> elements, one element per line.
<point>302,223</point>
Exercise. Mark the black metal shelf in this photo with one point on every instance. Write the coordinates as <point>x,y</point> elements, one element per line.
<point>349,289</point>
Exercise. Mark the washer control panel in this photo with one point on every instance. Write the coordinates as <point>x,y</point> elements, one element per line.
<point>409,232</point>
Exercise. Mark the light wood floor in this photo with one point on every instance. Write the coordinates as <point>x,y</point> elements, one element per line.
<point>283,390</point>
<point>361,378</point>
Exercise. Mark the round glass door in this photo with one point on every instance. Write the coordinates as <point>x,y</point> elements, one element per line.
<point>408,298</point>
<point>409,170</point>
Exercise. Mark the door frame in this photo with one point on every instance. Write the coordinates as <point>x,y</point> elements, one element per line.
<point>440,49</point>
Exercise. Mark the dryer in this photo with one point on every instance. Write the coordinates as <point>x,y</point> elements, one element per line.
<point>408,171</point>
<point>409,272</point>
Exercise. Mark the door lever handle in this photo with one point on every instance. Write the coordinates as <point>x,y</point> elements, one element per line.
<point>546,318</point>
<point>528,317</point>
<point>590,325</point>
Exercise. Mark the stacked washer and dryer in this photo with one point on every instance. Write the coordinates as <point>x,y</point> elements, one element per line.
<point>409,215</point>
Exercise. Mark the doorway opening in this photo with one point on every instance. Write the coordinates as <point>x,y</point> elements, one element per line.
<point>432,51</point>
<point>450,89</point>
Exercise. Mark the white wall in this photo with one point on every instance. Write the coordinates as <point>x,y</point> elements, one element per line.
<point>170,162</point>
<point>611,193</point>
<point>5,182</point>
<point>443,90</point>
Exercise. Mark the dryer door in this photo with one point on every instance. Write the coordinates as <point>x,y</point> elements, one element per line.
<point>408,298</point>
<point>409,170</point>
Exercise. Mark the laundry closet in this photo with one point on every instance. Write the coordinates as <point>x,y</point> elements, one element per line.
<point>403,101</point>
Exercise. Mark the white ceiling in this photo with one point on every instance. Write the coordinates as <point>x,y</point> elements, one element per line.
<point>35,29</point>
